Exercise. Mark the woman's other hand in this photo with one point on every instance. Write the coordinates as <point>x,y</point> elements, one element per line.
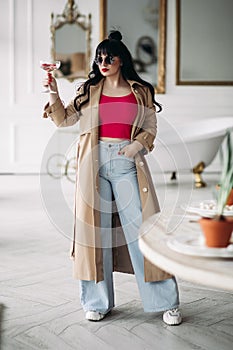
<point>132,149</point>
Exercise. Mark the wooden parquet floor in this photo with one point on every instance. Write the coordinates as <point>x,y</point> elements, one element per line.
<point>39,300</point>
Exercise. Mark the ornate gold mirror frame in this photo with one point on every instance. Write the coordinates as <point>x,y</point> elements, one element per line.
<point>76,64</point>
<point>160,39</point>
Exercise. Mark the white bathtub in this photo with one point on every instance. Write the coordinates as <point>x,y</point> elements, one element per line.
<point>181,147</point>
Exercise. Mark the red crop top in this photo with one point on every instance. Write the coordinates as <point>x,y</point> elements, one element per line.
<point>117,115</point>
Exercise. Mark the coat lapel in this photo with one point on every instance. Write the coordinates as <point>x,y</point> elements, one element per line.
<point>140,115</point>
<point>95,93</point>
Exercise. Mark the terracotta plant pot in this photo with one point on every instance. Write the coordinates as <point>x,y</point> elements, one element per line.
<point>217,233</point>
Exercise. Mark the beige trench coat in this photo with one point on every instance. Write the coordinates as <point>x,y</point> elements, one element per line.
<point>87,252</point>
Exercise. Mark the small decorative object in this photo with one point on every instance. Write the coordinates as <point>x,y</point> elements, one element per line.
<point>218,230</point>
<point>230,198</point>
<point>146,50</point>
<point>229,201</point>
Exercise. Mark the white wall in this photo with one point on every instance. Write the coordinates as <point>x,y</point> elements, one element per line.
<point>25,39</point>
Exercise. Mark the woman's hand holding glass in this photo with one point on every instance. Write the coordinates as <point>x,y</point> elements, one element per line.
<point>50,81</point>
<point>49,67</point>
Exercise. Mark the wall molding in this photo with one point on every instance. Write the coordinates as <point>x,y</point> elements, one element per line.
<point>30,48</point>
<point>12,52</point>
<point>12,143</point>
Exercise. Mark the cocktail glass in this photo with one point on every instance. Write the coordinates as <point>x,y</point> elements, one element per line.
<point>49,67</point>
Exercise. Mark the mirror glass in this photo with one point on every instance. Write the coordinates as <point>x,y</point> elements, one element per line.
<point>71,42</point>
<point>204,46</point>
<point>143,27</point>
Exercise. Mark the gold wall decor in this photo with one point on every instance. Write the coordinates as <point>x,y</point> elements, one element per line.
<point>143,27</point>
<point>71,42</point>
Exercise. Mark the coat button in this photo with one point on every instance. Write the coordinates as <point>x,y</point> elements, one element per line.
<point>145,189</point>
<point>141,163</point>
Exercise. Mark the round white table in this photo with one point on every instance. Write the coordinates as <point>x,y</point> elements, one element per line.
<point>209,271</point>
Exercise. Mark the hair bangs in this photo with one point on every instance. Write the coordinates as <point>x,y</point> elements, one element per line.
<point>109,48</point>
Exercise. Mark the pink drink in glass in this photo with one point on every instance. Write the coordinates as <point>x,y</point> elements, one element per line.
<point>49,67</point>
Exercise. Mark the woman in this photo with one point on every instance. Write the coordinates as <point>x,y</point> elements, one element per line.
<point>116,111</point>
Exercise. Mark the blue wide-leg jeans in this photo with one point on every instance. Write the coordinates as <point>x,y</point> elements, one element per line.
<point>117,177</point>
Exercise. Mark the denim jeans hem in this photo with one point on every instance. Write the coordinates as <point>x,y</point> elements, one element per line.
<point>162,308</point>
<point>103,312</point>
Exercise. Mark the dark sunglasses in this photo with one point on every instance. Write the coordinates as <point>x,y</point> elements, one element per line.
<point>108,60</point>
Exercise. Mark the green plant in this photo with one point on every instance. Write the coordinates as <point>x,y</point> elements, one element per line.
<point>226,178</point>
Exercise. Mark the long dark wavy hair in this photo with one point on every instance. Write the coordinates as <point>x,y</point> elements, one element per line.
<point>113,46</point>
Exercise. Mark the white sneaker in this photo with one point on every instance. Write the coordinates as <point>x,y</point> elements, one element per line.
<point>172,317</point>
<point>94,316</point>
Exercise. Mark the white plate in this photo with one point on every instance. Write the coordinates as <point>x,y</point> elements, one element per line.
<point>196,209</point>
<point>194,245</point>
